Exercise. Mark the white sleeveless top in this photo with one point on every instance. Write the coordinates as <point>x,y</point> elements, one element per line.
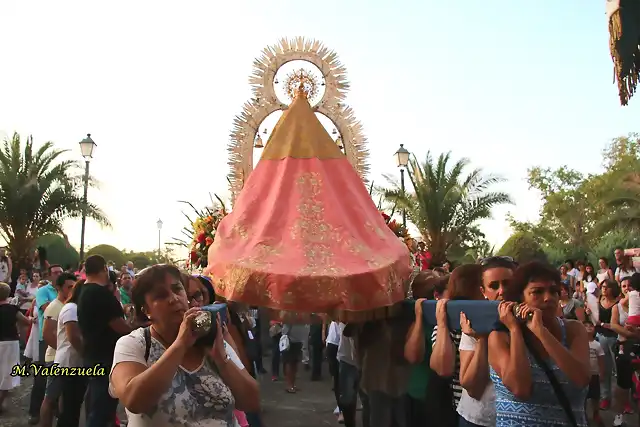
<point>622,319</point>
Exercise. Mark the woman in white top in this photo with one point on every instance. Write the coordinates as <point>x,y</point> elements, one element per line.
<point>605,271</point>
<point>626,268</point>
<point>477,403</point>
<point>162,377</point>
<point>69,355</point>
<point>624,379</point>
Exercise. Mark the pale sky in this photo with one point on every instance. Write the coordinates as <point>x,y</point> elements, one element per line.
<point>509,84</point>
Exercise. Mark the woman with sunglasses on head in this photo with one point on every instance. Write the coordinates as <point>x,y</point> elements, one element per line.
<point>539,362</point>
<point>177,382</point>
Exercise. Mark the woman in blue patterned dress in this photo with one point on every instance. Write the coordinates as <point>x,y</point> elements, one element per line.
<point>524,393</point>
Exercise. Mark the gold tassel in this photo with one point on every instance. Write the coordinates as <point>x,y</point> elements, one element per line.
<point>625,53</point>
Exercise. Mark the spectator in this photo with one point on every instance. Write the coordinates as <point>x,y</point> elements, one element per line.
<point>101,320</point>
<point>44,296</point>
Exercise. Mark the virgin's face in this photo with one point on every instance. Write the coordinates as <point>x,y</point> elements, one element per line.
<point>36,277</point>
<point>543,296</point>
<point>589,269</point>
<point>602,264</point>
<point>167,301</point>
<point>563,269</point>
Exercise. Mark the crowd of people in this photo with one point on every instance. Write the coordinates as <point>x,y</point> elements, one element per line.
<point>562,336</point>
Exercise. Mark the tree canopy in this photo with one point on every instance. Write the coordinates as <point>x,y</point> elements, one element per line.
<point>588,215</point>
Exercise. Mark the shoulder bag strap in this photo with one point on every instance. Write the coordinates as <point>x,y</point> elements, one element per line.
<point>147,342</point>
<point>557,387</point>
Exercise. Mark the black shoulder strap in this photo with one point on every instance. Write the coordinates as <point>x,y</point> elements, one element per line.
<point>147,342</point>
<point>557,387</point>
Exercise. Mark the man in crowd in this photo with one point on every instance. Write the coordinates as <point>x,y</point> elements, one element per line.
<point>101,322</point>
<point>44,296</point>
<point>63,285</point>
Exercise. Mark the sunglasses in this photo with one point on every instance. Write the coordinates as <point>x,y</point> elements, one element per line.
<point>489,260</point>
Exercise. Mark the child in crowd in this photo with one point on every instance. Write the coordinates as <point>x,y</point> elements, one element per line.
<point>596,359</point>
<point>633,297</point>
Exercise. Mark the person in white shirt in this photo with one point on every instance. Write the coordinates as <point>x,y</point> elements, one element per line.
<point>633,297</point>
<point>596,361</point>
<point>163,377</point>
<point>64,285</point>
<point>333,342</point>
<point>69,355</point>
<point>625,269</point>
<point>477,403</point>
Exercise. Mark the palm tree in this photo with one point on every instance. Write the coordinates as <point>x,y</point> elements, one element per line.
<point>38,191</point>
<point>445,205</point>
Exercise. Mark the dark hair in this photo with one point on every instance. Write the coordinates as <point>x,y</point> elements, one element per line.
<point>498,262</point>
<point>95,264</point>
<point>465,282</point>
<point>42,257</point>
<point>423,284</point>
<point>534,271</point>
<point>441,285</point>
<point>587,321</point>
<point>604,258</point>
<point>149,279</point>
<point>570,262</point>
<point>440,270</point>
<point>51,267</point>
<point>613,285</point>
<point>63,278</point>
<point>75,292</point>
<point>113,277</point>
<point>634,281</point>
<point>209,286</point>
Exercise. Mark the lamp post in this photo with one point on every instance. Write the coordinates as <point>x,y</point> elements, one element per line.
<point>402,160</point>
<point>159,224</point>
<point>86,148</point>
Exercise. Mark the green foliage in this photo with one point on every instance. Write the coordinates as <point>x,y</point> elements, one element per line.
<point>110,253</point>
<point>38,191</point>
<point>523,247</point>
<point>59,250</point>
<point>587,216</point>
<point>446,203</point>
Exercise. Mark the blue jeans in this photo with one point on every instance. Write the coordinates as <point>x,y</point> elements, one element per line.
<point>607,344</point>
<point>102,407</point>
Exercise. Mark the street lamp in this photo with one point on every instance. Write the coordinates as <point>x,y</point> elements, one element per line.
<point>159,224</point>
<point>86,148</point>
<point>402,160</point>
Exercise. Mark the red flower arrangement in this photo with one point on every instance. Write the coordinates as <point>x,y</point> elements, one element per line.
<point>397,228</point>
<point>202,233</point>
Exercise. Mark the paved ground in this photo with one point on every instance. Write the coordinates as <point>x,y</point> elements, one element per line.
<point>312,406</point>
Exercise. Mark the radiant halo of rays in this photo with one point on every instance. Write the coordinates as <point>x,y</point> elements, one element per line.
<point>264,102</point>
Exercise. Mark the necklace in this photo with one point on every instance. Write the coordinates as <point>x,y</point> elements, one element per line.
<point>164,341</point>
